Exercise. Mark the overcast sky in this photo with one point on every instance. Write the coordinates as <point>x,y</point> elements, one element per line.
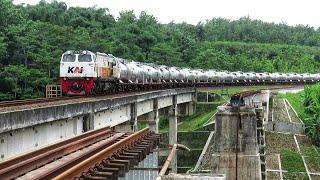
<point>293,12</point>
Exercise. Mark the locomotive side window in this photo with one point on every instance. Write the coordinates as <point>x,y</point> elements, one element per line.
<point>84,58</point>
<point>69,58</point>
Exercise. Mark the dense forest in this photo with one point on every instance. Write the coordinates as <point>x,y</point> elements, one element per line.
<point>32,39</point>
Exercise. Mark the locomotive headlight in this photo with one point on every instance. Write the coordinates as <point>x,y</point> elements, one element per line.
<point>88,79</point>
<point>65,78</point>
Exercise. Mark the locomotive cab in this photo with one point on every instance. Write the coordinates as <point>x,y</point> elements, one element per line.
<point>77,71</point>
<point>77,64</point>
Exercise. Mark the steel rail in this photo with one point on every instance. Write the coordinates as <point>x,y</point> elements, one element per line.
<point>90,163</point>
<point>20,165</point>
<point>34,101</point>
<point>50,173</point>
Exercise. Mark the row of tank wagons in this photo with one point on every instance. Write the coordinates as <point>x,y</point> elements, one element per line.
<point>134,71</point>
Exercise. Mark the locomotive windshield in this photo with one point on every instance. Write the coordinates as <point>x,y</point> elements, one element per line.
<point>69,58</point>
<point>84,58</point>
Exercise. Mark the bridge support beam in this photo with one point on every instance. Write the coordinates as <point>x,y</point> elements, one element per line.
<point>190,108</point>
<point>173,128</point>
<point>134,117</point>
<point>88,122</point>
<point>153,121</point>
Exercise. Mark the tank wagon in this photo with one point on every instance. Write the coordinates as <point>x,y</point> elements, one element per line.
<point>86,72</point>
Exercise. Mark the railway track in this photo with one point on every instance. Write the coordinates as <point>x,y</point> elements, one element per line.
<point>98,154</point>
<point>33,101</point>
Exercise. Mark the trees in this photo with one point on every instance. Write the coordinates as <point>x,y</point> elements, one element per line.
<point>32,38</point>
<point>3,45</point>
<point>13,77</point>
<point>9,14</point>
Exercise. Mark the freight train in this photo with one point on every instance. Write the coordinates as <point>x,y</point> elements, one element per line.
<point>86,72</point>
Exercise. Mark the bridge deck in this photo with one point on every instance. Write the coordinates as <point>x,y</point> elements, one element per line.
<point>30,115</point>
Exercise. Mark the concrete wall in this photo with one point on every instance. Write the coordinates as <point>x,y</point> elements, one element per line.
<point>112,116</point>
<point>27,139</point>
<point>289,127</point>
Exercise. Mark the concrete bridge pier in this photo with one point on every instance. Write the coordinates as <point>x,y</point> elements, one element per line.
<point>134,117</point>
<point>235,150</point>
<point>173,128</point>
<point>153,117</point>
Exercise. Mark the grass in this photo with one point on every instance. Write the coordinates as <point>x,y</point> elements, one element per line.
<point>163,123</point>
<point>142,125</point>
<point>313,163</point>
<point>296,100</point>
<point>189,123</point>
<point>195,121</point>
<point>295,176</point>
<point>292,161</point>
<point>275,142</point>
<point>273,175</point>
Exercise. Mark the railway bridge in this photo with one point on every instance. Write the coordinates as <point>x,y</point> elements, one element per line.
<point>99,137</point>
<point>25,127</point>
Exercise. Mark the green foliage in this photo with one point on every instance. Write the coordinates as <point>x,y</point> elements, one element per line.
<point>195,121</point>
<point>312,109</point>
<point>291,161</point>
<point>3,45</point>
<point>236,56</point>
<point>307,106</point>
<point>35,36</point>
<point>163,123</point>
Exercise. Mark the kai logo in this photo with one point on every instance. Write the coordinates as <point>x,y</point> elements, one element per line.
<point>75,70</point>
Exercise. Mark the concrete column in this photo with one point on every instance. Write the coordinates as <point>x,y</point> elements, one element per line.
<point>134,117</point>
<point>194,101</point>
<point>153,121</point>
<point>190,108</point>
<point>88,122</point>
<point>173,128</point>
<point>91,117</point>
